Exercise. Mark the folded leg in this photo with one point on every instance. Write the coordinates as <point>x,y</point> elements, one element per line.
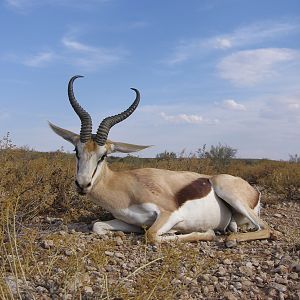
<point>115,225</point>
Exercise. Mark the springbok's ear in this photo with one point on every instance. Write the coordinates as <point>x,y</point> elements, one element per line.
<point>65,134</point>
<point>123,147</point>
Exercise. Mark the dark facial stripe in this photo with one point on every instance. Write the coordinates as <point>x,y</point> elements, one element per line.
<point>99,161</point>
<point>197,189</point>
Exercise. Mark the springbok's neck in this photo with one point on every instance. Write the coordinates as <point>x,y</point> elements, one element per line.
<point>101,192</point>
<point>104,175</point>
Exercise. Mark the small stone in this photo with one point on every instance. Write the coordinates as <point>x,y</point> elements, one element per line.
<point>109,268</point>
<point>108,253</point>
<point>64,228</point>
<point>227,261</point>
<point>41,290</point>
<point>47,244</point>
<point>246,284</point>
<point>279,287</point>
<point>272,292</point>
<point>211,288</point>
<point>269,263</point>
<point>255,262</point>
<point>259,280</point>
<point>203,277</point>
<point>119,241</point>
<point>294,276</point>
<point>246,270</point>
<point>86,278</point>
<point>13,283</point>
<point>277,215</point>
<point>205,290</point>
<point>154,248</point>
<point>281,269</point>
<point>222,271</point>
<point>119,255</point>
<point>88,290</point>
<point>51,220</point>
<point>295,268</point>
<point>281,280</point>
<point>229,296</point>
<point>186,280</point>
<point>237,285</point>
<point>265,241</point>
<point>231,243</point>
<point>124,273</point>
<point>90,268</point>
<point>68,252</point>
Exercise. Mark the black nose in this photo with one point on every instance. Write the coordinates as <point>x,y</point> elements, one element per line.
<point>81,187</point>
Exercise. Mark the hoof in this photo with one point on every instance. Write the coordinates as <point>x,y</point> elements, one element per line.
<point>231,243</point>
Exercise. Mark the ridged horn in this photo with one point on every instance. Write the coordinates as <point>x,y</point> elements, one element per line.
<point>109,122</point>
<point>86,120</point>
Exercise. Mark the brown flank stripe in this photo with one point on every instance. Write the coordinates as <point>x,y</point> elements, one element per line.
<point>197,189</point>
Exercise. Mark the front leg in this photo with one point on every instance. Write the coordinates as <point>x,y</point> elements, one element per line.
<point>115,225</point>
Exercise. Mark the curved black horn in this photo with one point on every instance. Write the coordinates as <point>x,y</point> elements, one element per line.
<point>86,120</point>
<point>109,122</point>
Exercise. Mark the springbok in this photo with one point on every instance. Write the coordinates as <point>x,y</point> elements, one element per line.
<point>190,204</point>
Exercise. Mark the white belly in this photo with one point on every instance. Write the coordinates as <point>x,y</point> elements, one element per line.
<point>202,214</point>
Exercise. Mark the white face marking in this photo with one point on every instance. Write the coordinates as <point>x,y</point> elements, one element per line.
<point>89,165</point>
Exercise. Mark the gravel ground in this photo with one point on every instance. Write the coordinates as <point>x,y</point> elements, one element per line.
<point>127,267</point>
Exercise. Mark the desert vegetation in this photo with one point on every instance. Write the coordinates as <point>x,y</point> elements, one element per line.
<point>48,252</point>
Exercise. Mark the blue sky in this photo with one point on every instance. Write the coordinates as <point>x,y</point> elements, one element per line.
<point>209,71</point>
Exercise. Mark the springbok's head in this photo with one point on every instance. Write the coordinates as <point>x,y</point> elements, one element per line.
<point>92,149</point>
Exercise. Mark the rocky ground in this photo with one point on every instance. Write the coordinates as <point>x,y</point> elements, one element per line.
<point>70,262</point>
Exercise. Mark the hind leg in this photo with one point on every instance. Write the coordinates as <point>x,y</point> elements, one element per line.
<point>248,236</point>
<point>263,230</point>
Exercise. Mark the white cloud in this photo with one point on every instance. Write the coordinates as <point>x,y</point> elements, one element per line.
<point>39,60</point>
<point>74,53</point>
<point>18,4</point>
<point>223,43</point>
<point>249,67</point>
<point>184,118</point>
<point>233,105</point>
<point>194,119</point>
<point>241,37</point>
<point>293,106</point>
<point>254,33</point>
<point>282,108</point>
<point>90,57</point>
